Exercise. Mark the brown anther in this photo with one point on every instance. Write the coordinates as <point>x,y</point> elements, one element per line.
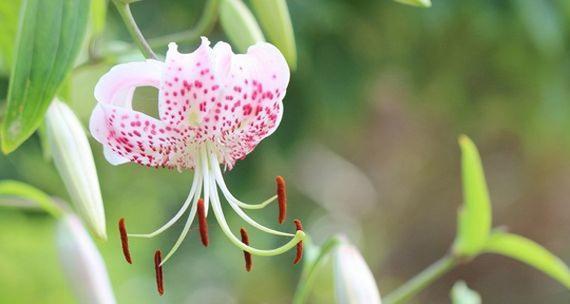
<point>158,272</point>
<point>300,244</point>
<point>281,198</point>
<point>246,255</point>
<point>125,240</point>
<point>202,223</point>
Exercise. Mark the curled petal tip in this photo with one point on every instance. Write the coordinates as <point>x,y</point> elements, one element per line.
<point>204,41</point>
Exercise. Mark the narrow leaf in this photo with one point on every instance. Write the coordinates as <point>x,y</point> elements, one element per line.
<point>9,12</point>
<point>239,24</point>
<point>19,190</point>
<point>276,22</point>
<point>529,252</point>
<point>50,35</point>
<point>475,215</point>
<point>461,294</point>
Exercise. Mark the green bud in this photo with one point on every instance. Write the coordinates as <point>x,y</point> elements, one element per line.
<point>420,3</point>
<point>239,24</point>
<point>74,161</point>
<point>276,22</point>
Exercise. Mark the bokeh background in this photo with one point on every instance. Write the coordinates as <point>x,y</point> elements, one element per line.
<point>368,144</point>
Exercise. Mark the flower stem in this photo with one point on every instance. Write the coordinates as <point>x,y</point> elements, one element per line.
<point>421,280</point>
<point>204,25</point>
<point>311,265</point>
<point>132,27</point>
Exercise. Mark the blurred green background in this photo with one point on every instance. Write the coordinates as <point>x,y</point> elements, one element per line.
<point>368,144</point>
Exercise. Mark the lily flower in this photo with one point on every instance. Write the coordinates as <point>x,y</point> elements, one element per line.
<point>214,108</point>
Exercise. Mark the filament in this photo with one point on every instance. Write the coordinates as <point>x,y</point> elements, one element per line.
<point>229,196</point>
<point>237,209</point>
<point>219,214</point>
<point>186,227</point>
<point>197,182</point>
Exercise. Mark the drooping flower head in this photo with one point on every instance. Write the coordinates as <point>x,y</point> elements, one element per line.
<point>214,108</point>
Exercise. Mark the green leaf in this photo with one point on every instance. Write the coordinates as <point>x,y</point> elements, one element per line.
<point>419,3</point>
<point>97,18</point>
<point>9,12</point>
<point>461,294</point>
<point>11,188</point>
<point>50,35</point>
<point>276,22</point>
<point>528,252</point>
<point>475,215</point>
<point>239,24</point>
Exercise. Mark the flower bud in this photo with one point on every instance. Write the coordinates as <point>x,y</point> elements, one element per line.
<point>276,22</point>
<point>82,263</point>
<point>239,24</point>
<point>74,161</point>
<point>353,280</point>
<point>420,3</point>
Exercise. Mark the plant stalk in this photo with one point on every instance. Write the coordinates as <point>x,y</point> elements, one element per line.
<point>421,280</point>
<point>132,27</point>
<point>310,270</point>
<point>204,26</point>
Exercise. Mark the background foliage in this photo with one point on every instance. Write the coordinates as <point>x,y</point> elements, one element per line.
<point>368,144</point>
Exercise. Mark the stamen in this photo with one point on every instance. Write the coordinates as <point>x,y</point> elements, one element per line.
<point>230,197</point>
<point>196,184</point>
<point>219,214</point>
<point>125,240</point>
<point>300,244</point>
<point>281,198</point>
<point>246,255</point>
<point>235,204</point>
<point>202,223</point>
<point>158,272</point>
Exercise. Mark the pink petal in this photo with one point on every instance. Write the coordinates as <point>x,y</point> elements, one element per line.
<point>117,86</point>
<point>251,106</point>
<point>232,100</point>
<point>137,137</point>
<point>187,85</point>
